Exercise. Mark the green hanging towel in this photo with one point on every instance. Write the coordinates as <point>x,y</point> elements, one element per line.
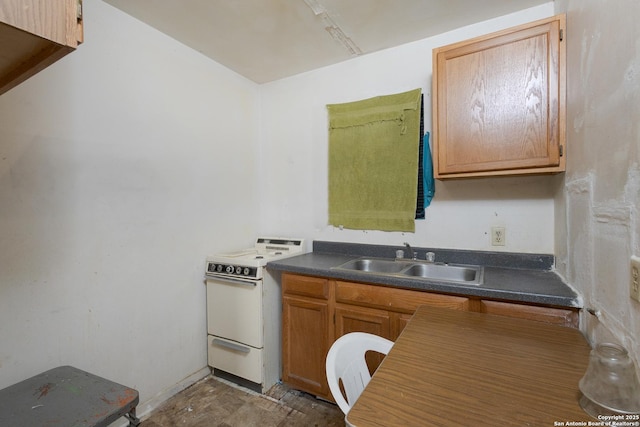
<point>373,162</point>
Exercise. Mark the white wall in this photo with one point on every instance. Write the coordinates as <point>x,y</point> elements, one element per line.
<point>122,167</point>
<point>294,156</point>
<point>599,204</point>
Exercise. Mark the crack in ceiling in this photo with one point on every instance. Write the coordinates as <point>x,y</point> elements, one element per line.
<point>333,28</point>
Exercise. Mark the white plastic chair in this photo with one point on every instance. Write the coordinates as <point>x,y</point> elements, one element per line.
<point>346,362</point>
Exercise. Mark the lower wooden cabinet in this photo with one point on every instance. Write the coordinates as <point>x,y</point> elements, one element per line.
<point>306,336</point>
<point>317,311</point>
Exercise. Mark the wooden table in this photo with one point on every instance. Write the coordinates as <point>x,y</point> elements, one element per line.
<point>67,397</point>
<point>457,368</point>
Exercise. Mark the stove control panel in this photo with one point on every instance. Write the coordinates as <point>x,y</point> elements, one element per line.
<point>230,270</point>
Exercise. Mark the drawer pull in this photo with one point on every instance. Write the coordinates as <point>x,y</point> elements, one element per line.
<point>230,280</point>
<point>230,345</point>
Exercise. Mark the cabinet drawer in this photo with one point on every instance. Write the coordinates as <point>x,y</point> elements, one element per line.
<point>400,300</point>
<point>306,286</point>
<point>556,316</point>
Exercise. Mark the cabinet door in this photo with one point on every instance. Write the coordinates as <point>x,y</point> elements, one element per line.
<point>498,103</point>
<point>350,318</point>
<point>34,34</point>
<point>305,342</point>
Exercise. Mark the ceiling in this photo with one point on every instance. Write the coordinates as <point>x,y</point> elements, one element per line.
<point>265,40</point>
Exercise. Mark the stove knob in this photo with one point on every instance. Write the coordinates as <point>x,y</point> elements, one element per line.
<point>238,270</point>
<point>219,268</point>
<point>229,269</point>
<point>246,271</point>
<point>212,267</point>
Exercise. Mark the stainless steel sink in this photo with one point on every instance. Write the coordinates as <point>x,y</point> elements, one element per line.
<point>374,265</point>
<point>455,273</point>
<point>451,273</point>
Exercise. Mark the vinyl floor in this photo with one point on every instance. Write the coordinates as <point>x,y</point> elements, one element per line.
<point>213,402</point>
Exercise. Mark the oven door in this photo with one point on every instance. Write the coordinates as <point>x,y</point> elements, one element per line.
<point>234,310</point>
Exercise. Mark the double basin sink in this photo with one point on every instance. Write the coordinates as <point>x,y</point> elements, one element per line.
<point>415,269</point>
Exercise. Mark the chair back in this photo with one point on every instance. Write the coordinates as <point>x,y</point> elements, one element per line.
<point>346,362</point>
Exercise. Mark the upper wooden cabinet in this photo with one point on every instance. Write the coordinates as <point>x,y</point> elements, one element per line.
<point>499,103</point>
<point>34,34</point>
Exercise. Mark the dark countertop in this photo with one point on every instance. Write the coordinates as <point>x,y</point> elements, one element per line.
<point>511,277</point>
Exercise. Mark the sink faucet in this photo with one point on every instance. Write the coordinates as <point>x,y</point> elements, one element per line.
<point>412,254</point>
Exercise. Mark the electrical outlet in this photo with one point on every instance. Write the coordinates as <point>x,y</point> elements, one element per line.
<point>634,279</point>
<point>497,236</point>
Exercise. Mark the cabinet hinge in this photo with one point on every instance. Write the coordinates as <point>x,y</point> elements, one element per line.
<point>561,34</point>
<point>561,150</point>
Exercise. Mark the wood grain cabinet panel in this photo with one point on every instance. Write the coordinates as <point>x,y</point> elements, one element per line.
<point>305,343</point>
<point>351,318</point>
<point>394,299</point>
<point>398,322</point>
<point>499,103</point>
<point>314,287</point>
<point>34,34</point>
<point>557,316</point>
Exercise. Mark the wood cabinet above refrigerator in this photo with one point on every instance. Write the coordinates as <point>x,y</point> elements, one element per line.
<point>499,103</point>
<point>34,34</point>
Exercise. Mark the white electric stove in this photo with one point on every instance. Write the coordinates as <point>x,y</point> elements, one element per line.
<point>246,263</point>
<point>244,312</point>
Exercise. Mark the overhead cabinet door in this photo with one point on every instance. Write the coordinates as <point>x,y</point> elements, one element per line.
<point>499,103</point>
<point>34,34</point>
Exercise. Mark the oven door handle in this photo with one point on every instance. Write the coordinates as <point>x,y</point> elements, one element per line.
<point>230,345</point>
<point>232,280</point>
